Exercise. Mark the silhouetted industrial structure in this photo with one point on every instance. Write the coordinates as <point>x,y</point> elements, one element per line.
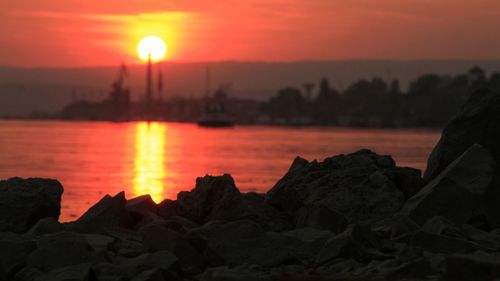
<point>430,101</point>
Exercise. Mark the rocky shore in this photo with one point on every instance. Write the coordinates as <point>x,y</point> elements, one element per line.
<point>350,217</point>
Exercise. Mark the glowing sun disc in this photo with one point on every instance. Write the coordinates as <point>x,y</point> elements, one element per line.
<point>152,45</point>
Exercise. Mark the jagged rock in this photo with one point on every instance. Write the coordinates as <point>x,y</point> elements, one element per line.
<point>157,237</point>
<point>167,208</point>
<point>472,267</point>
<point>308,243</point>
<point>252,206</point>
<point>127,242</point>
<point>27,274</point>
<point>240,242</point>
<point>362,186</point>
<point>439,235</point>
<point>442,226</point>
<point>408,180</point>
<point>468,188</point>
<point>488,240</point>
<point>59,250</point>
<point>357,242</point>
<point>163,260</point>
<point>23,202</point>
<point>128,248</point>
<point>340,269</point>
<point>436,243</point>
<point>293,272</point>
<point>79,272</point>
<point>398,227</point>
<point>179,224</point>
<point>310,234</point>
<point>139,220</point>
<point>321,217</point>
<point>109,212</point>
<point>149,275</point>
<point>14,250</point>
<point>98,242</point>
<point>106,271</point>
<point>45,226</point>
<point>396,269</point>
<point>210,196</point>
<point>217,198</point>
<point>142,204</point>
<point>240,273</point>
<point>477,122</point>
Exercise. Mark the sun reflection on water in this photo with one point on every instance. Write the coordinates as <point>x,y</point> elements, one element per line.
<point>149,160</point>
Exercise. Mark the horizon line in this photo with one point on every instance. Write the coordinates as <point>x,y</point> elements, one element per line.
<point>230,61</point>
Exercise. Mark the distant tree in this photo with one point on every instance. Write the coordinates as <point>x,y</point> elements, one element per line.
<point>477,77</point>
<point>395,88</point>
<point>325,106</point>
<point>494,82</point>
<point>427,84</point>
<point>288,104</point>
<point>370,102</point>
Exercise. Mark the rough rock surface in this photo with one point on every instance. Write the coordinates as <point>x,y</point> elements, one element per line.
<point>25,201</point>
<point>469,188</point>
<point>477,122</point>
<point>363,186</point>
<point>217,198</point>
<point>109,212</point>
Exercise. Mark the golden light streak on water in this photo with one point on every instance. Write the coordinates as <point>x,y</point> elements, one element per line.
<point>149,160</point>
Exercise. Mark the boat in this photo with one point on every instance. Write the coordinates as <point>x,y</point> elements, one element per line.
<point>215,114</point>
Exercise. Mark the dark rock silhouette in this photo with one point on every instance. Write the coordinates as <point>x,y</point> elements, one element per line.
<point>363,186</point>
<point>350,217</point>
<point>473,181</point>
<point>477,122</point>
<point>24,202</point>
<point>217,198</point>
<point>107,213</point>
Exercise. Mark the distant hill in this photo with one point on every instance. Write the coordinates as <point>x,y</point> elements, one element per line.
<point>23,90</point>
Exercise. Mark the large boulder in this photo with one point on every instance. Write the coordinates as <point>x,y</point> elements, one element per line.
<point>60,250</point>
<point>239,242</point>
<point>469,188</point>
<point>437,243</point>
<point>477,122</point>
<point>142,204</point>
<point>25,201</point>
<point>14,250</point>
<point>79,272</point>
<point>162,260</point>
<point>472,267</point>
<point>239,273</point>
<point>218,198</point>
<point>356,242</point>
<point>210,196</point>
<point>363,186</point>
<point>321,217</point>
<point>109,212</point>
<point>158,237</point>
<point>252,206</point>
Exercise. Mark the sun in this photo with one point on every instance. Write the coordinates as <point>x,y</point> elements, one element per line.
<point>152,46</point>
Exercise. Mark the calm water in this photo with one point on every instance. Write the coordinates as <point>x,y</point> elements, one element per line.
<point>96,158</point>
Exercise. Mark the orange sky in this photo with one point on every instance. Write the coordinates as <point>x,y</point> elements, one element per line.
<point>98,32</point>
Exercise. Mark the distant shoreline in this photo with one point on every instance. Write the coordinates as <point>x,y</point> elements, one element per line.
<point>14,119</point>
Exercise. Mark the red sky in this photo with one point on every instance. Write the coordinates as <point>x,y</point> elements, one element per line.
<point>105,32</point>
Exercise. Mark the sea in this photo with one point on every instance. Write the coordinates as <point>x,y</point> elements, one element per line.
<point>92,159</point>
